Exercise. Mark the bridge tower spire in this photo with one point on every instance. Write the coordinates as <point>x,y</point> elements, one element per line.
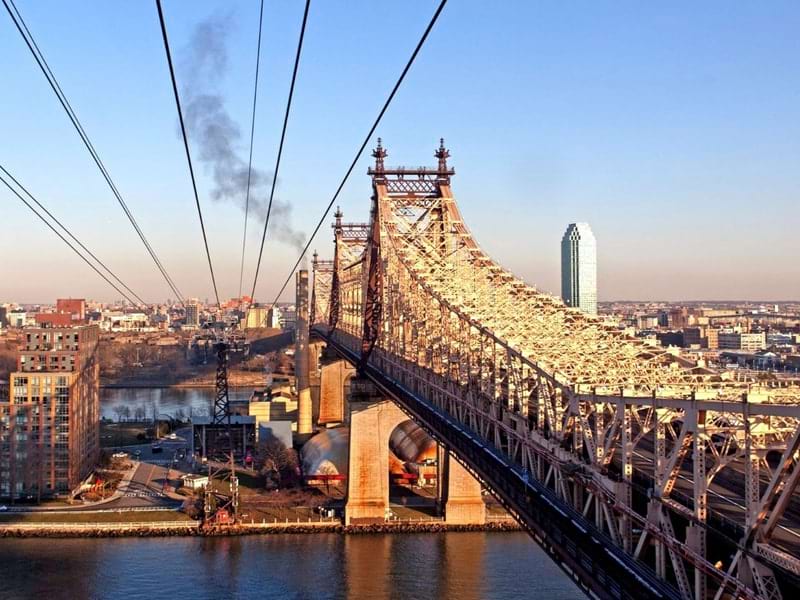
<point>379,154</point>
<point>337,226</point>
<point>442,154</point>
<point>333,303</point>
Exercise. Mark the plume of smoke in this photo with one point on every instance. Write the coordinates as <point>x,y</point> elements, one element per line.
<point>218,137</point>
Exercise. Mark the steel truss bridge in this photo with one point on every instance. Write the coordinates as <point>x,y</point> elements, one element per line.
<point>640,473</point>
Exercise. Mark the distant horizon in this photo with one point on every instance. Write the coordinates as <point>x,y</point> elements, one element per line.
<point>290,301</point>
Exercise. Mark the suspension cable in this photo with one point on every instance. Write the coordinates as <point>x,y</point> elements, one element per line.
<point>186,145</point>
<point>66,241</point>
<point>280,145</point>
<point>252,134</point>
<point>22,27</point>
<point>361,150</point>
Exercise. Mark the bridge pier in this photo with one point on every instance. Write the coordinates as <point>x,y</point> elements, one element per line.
<point>305,424</point>
<point>371,424</point>
<point>333,378</point>
<point>314,376</point>
<point>372,421</point>
<point>461,493</point>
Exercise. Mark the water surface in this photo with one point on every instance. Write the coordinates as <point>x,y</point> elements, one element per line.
<point>165,401</point>
<point>463,566</point>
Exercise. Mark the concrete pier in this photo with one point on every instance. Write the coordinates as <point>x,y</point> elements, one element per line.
<point>304,403</point>
<point>372,421</point>
<point>371,424</point>
<point>463,503</point>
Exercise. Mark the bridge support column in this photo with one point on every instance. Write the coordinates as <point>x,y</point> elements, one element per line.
<point>304,405</point>
<point>371,424</point>
<point>463,503</point>
<point>314,350</point>
<point>333,377</point>
<point>654,518</point>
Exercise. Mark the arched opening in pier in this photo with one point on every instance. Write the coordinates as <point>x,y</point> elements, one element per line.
<point>413,469</point>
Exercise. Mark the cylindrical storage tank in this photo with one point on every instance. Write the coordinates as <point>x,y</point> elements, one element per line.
<point>326,453</point>
<point>411,444</point>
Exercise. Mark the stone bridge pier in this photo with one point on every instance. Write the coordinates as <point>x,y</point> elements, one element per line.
<point>330,380</point>
<point>372,421</point>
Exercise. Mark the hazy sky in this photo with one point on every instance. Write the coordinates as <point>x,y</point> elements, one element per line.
<point>673,129</point>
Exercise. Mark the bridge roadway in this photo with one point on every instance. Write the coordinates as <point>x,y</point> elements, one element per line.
<point>592,559</point>
<point>726,494</point>
<point>725,506</point>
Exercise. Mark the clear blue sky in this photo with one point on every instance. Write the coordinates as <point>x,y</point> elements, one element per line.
<point>673,129</point>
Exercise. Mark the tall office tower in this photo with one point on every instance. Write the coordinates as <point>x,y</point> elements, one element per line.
<point>192,314</point>
<point>579,268</point>
<point>50,418</point>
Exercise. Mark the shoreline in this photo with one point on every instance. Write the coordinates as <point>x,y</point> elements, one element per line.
<point>194,530</point>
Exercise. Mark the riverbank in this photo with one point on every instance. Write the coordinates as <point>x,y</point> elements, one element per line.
<point>182,528</point>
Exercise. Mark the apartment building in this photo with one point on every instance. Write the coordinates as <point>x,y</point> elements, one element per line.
<point>50,417</point>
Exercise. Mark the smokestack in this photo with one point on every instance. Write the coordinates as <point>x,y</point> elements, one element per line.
<point>304,404</point>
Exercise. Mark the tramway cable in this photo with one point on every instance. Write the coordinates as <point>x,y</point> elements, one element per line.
<point>69,233</point>
<point>37,54</point>
<point>186,144</point>
<point>252,135</point>
<point>361,148</point>
<point>280,144</point>
<point>66,241</point>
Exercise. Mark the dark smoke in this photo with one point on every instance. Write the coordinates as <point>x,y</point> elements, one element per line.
<point>218,137</point>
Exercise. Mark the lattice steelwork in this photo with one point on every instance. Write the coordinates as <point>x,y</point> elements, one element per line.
<point>630,435</point>
<point>322,271</point>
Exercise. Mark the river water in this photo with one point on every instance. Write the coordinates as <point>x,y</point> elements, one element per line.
<point>463,566</point>
<point>175,402</point>
<point>448,565</point>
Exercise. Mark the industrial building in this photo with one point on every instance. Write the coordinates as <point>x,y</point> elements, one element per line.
<point>258,315</point>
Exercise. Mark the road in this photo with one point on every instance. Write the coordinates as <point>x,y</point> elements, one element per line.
<point>155,472</point>
<point>726,495</point>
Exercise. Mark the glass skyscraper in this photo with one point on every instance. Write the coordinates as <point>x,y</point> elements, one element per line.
<point>579,268</point>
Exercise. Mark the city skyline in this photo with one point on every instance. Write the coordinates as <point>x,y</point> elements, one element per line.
<point>647,170</point>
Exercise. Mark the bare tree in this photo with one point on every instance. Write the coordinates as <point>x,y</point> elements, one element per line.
<point>280,465</point>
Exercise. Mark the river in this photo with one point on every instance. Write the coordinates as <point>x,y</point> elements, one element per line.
<point>175,402</point>
<point>464,566</point>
